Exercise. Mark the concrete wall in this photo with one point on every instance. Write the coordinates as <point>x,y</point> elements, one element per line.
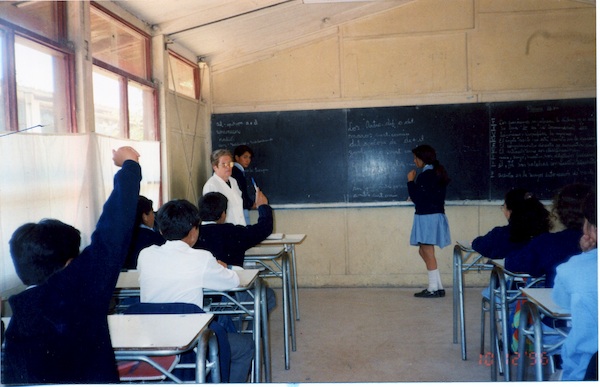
<point>424,52</point>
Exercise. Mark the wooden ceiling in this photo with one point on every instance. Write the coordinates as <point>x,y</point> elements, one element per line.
<point>228,32</point>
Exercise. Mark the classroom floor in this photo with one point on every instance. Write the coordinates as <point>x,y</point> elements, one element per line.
<point>378,335</point>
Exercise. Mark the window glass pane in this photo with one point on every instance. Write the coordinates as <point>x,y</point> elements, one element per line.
<point>43,17</point>
<point>142,124</point>
<point>107,104</point>
<point>41,88</point>
<point>184,81</point>
<point>117,44</point>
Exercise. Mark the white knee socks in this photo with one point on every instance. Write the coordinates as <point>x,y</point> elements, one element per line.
<point>435,281</point>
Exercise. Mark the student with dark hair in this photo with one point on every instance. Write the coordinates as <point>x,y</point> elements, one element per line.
<point>58,332</point>
<point>527,218</point>
<point>144,234</point>
<point>545,252</point>
<point>576,289</point>
<point>242,156</point>
<point>176,272</point>
<point>430,225</point>
<point>226,241</point>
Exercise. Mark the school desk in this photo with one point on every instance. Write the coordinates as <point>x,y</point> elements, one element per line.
<point>228,304</point>
<point>267,258</point>
<point>539,304</point>
<point>289,241</point>
<point>141,337</point>
<point>464,259</point>
<point>128,285</point>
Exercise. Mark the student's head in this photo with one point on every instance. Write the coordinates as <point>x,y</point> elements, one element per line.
<point>222,162</point>
<point>177,218</point>
<point>41,249</point>
<point>145,212</point>
<point>212,206</point>
<point>514,198</point>
<point>426,154</point>
<point>529,218</point>
<point>243,155</point>
<point>567,205</point>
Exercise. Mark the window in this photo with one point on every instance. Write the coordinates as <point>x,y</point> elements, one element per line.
<point>184,77</point>
<point>125,103</point>
<point>35,83</point>
<point>42,99</point>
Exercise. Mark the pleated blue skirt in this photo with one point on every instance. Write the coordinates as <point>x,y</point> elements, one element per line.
<point>430,229</point>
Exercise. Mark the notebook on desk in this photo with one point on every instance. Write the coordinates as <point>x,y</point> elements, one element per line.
<point>275,236</point>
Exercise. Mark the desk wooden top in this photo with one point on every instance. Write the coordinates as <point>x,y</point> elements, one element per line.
<point>131,279</point>
<point>264,252</point>
<point>542,297</point>
<point>288,239</point>
<point>154,332</point>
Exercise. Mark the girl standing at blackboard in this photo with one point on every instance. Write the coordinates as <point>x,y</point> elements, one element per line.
<point>430,225</point>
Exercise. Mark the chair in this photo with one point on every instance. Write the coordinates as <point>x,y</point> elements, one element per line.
<point>505,288</point>
<point>173,367</point>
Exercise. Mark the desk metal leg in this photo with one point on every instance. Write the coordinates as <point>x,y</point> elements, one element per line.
<point>207,343</point>
<point>292,251</point>
<point>498,293</point>
<point>530,312</point>
<point>286,310</point>
<point>291,309</point>
<point>265,332</point>
<point>257,334</point>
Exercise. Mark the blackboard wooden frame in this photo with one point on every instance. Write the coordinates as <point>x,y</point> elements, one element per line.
<point>360,157</point>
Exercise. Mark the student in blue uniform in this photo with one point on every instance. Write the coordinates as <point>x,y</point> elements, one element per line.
<point>242,155</point>
<point>144,234</point>
<point>527,218</point>
<point>59,331</point>
<point>430,225</point>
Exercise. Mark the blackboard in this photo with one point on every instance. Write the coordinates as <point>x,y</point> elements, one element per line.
<point>362,155</point>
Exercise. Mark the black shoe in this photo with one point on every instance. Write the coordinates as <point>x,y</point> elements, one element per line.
<point>441,293</point>
<point>427,294</point>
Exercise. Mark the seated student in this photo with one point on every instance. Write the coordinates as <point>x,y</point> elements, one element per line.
<point>527,217</point>
<point>144,234</point>
<point>545,252</point>
<point>59,331</point>
<point>229,242</point>
<point>576,289</point>
<point>175,272</point>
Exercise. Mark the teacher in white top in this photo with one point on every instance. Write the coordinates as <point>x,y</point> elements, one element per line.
<point>221,181</point>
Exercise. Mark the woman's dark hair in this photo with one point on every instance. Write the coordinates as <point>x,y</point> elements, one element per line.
<point>567,205</point>
<point>176,219</point>
<point>427,154</point>
<point>39,250</point>
<point>529,218</point>
<point>241,149</point>
<point>515,197</point>
<point>589,208</point>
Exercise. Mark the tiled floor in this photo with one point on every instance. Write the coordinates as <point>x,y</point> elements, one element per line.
<point>378,335</point>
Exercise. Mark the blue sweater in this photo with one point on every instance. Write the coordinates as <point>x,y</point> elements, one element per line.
<point>59,331</point>
<point>427,193</point>
<point>496,244</point>
<point>544,253</point>
<point>229,242</point>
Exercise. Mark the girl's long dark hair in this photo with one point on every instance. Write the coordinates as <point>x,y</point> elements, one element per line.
<point>428,155</point>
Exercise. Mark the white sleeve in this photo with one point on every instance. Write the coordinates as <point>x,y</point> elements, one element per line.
<point>216,277</point>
